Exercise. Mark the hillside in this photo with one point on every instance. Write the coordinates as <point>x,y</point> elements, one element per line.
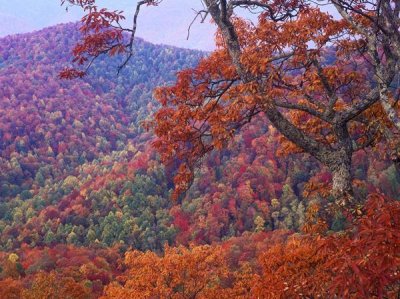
<point>52,130</point>
<point>43,117</point>
<point>80,183</point>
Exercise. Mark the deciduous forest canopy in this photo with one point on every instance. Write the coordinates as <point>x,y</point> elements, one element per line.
<point>326,84</point>
<point>268,168</point>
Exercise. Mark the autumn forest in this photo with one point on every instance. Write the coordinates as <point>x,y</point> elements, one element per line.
<point>267,168</point>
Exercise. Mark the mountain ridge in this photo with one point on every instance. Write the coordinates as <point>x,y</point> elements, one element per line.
<point>175,15</point>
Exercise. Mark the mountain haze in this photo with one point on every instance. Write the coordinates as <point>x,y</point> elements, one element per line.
<point>21,16</point>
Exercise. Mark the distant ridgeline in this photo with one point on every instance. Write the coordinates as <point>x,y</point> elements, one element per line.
<point>77,168</point>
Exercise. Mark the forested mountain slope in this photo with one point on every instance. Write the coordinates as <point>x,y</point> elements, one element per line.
<point>49,126</point>
<point>80,183</point>
<point>57,135</point>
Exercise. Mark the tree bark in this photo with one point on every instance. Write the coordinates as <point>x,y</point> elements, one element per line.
<point>339,162</point>
<point>342,189</point>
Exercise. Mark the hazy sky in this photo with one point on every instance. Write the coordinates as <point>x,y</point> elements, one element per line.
<point>165,24</point>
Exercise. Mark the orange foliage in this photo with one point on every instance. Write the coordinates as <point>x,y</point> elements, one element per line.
<point>361,263</point>
<point>364,263</point>
<point>292,270</point>
<point>180,273</point>
<point>10,289</point>
<point>52,285</point>
<point>367,264</point>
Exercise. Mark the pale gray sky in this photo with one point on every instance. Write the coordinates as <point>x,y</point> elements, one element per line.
<point>165,24</point>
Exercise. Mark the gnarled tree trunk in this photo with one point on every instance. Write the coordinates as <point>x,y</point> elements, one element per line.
<point>342,189</point>
<point>339,162</point>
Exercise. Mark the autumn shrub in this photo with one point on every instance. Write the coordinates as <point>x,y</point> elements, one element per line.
<point>363,262</point>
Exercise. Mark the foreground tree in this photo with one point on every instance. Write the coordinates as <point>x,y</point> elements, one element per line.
<point>325,84</point>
